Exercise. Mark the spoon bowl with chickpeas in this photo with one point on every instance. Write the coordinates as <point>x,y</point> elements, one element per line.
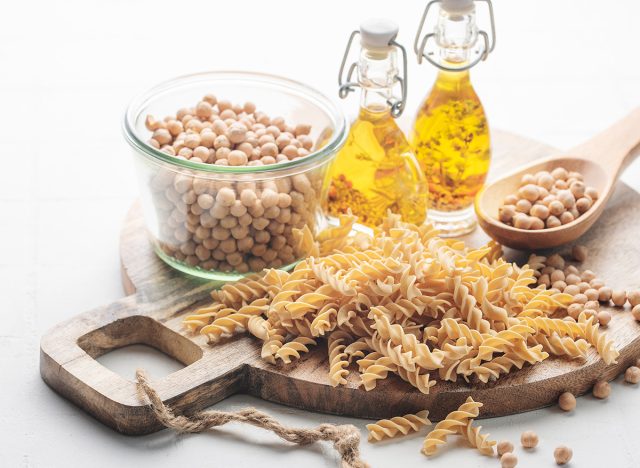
<point>556,200</point>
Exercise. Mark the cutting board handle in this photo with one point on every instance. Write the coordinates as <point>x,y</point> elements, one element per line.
<point>614,148</point>
<point>68,364</point>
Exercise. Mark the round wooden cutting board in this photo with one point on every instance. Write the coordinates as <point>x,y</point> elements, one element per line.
<point>159,298</point>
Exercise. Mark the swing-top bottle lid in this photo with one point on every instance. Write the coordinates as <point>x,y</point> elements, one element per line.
<point>377,33</point>
<point>457,7</point>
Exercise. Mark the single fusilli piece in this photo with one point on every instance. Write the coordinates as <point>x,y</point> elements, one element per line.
<point>246,290</point>
<point>450,425</point>
<point>605,347</point>
<point>291,350</point>
<point>338,359</point>
<point>400,425</point>
<point>561,346</point>
<point>477,439</point>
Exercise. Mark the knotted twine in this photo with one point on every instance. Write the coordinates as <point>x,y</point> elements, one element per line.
<point>345,438</point>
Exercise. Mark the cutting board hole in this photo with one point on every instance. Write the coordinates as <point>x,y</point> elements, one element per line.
<point>139,342</point>
<point>125,361</point>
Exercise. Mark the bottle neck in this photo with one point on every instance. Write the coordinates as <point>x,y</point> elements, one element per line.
<point>456,35</point>
<point>377,74</point>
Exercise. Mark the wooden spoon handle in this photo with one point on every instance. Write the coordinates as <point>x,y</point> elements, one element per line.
<point>614,148</point>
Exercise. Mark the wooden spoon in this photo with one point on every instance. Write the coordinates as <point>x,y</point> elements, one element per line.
<point>601,160</point>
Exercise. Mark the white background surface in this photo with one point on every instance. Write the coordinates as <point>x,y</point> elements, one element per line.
<point>561,71</point>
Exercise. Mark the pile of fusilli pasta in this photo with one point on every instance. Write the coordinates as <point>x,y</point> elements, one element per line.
<point>406,302</point>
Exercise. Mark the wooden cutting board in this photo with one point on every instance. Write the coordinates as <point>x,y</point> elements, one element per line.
<point>159,297</point>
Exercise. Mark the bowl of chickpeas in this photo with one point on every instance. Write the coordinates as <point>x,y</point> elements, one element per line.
<point>232,169</point>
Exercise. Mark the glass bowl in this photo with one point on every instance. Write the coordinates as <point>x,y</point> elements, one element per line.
<point>214,243</point>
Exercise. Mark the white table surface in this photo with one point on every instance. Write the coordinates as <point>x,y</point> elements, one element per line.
<point>561,71</point>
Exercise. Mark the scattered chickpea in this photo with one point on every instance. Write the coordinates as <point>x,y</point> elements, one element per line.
<point>579,253</point>
<point>580,298</point>
<point>556,261</point>
<point>504,446</point>
<point>593,305</point>
<point>632,375</point>
<point>633,297</point>
<point>572,289</point>
<point>508,460</point>
<point>604,294</point>
<point>529,439</point>
<point>563,455</point>
<point>619,298</point>
<point>592,294</point>
<point>567,401</point>
<point>602,389</point>
<point>574,310</point>
<point>636,312</point>
<point>604,318</point>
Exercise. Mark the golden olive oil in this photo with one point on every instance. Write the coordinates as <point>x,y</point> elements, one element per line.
<point>377,171</point>
<point>452,143</point>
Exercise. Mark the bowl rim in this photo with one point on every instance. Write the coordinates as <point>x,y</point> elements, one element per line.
<point>321,100</point>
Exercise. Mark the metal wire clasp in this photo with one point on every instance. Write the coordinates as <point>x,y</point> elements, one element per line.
<point>348,85</point>
<point>420,46</point>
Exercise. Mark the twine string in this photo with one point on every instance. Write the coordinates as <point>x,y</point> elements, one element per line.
<point>345,438</point>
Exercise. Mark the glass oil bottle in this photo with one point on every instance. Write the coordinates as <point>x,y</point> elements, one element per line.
<point>377,171</point>
<point>451,135</point>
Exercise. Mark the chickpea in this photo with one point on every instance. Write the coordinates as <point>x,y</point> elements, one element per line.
<point>226,197</point>
<point>553,222</point>
<point>510,200</point>
<point>567,401</point>
<point>562,455</point>
<point>560,173</point>
<point>572,289</point>
<point>529,192</point>
<point>566,198</point>
<point>237,158</point>
<point>556,207</point>
<point>527,179</point>
<point>636,312</point>
<point>237,133</point>
<point>592,294</point>
<point>221,141</point>
<point>204,110</point>
<point>580,298</point>
<point>540,211</point>
<point>604,318</point>
<point>619,298</point>
<point>544,279</point>
<point>522,221</point>
<point>523,206</point>
<point>559,285</point>
<point>604,294</point>
<point>583,204</point>
<point>633,297</point>
<point>632,375</point>
<point>574,310</point>
<point>592,193</point>
<point>536,223</point>
<point>594,305</point>
<point>529,439</point>
<point>555,261</point>
<point>546,180</point>
<point>572,279</point>
<point>557,275</point>
<point>504,446</point>
<point>601,389</point>
<point>508,460</point>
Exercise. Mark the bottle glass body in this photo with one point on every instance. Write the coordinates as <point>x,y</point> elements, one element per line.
<point>377,170</point>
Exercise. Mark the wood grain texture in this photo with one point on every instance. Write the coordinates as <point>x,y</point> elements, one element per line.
<point>160,297</point>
